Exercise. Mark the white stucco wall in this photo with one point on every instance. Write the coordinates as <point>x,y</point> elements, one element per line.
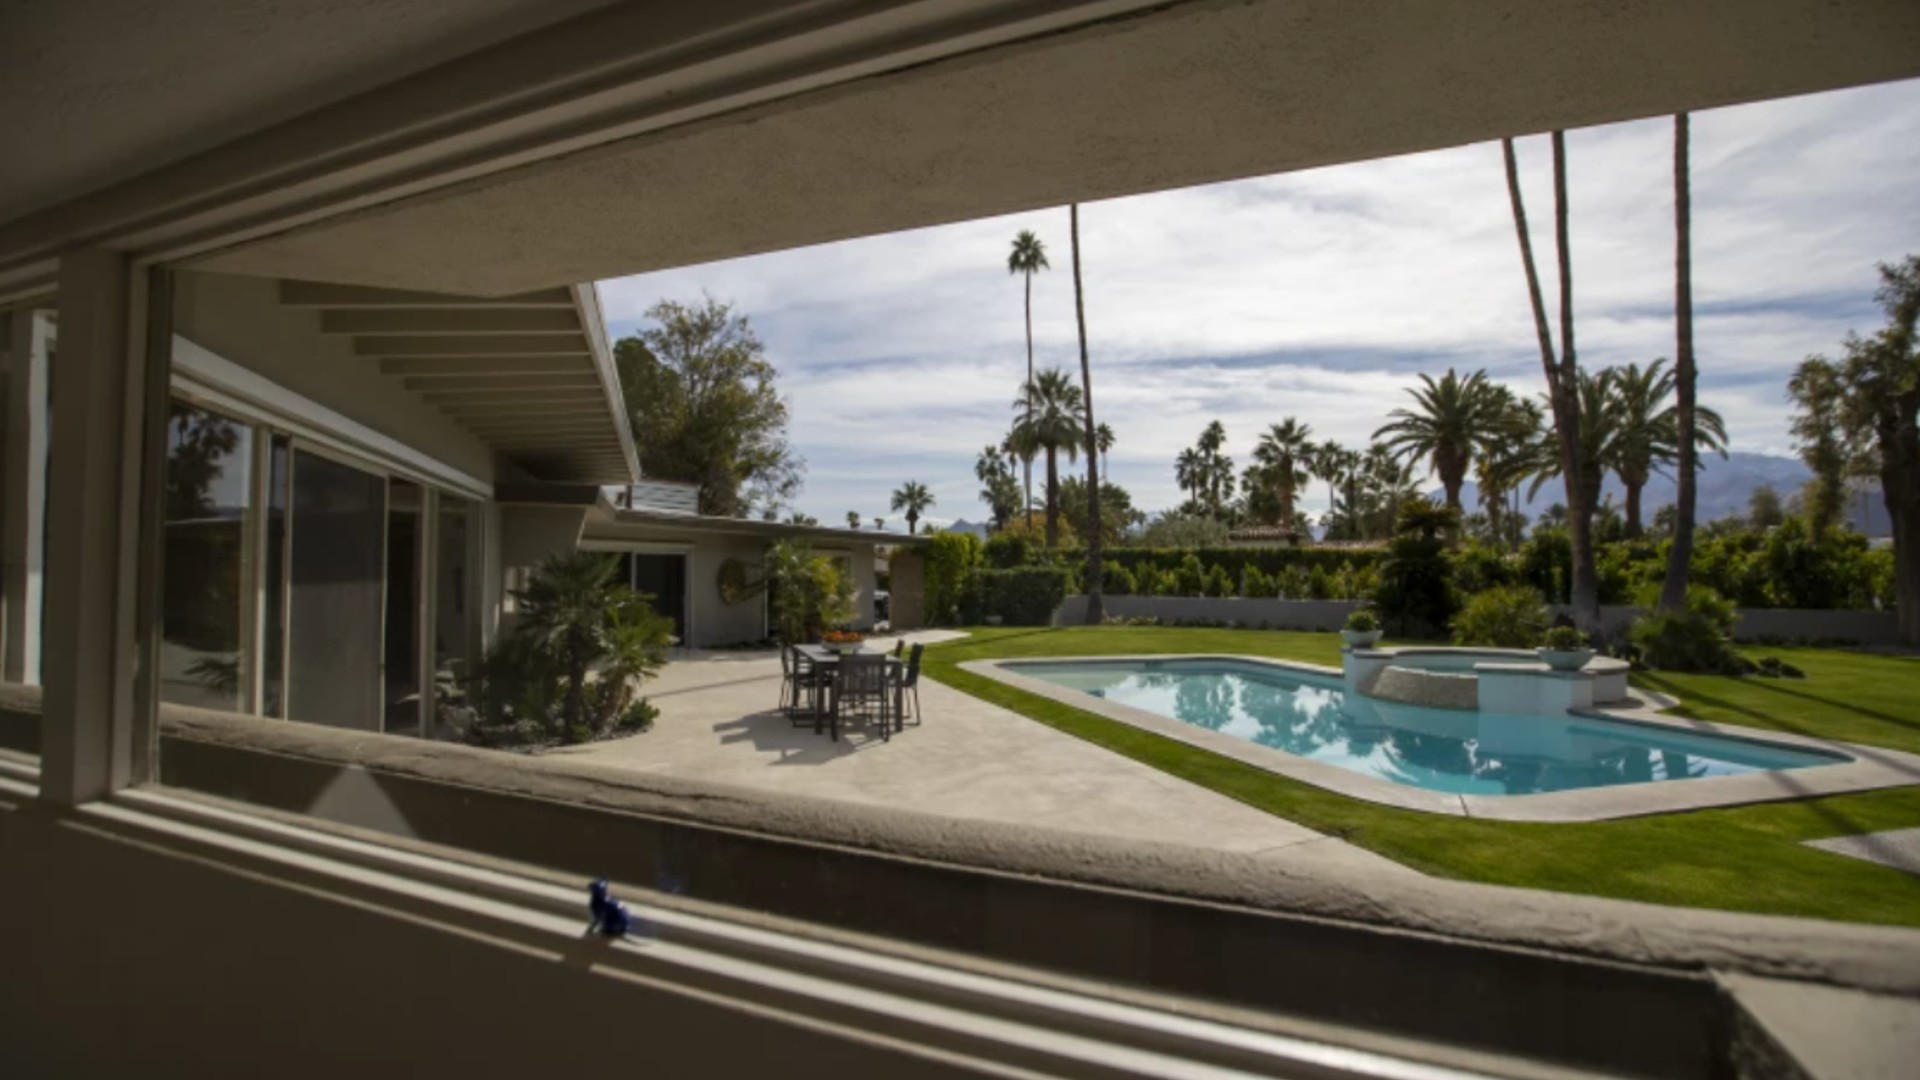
<point>242,320</point>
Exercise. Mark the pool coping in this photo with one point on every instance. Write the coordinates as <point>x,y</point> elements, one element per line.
<point>1871,768</point>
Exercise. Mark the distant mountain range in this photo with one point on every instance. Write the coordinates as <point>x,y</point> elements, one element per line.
<point>1725,488</point>
<point>965,526</point>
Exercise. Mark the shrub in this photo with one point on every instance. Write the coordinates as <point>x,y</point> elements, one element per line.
<point>1363,621</point>
<point>1478,567</point>
<point>1319,585</point>
<point>1293,583</point>
<point>1696,639</point>
<point>1254,582</point>
<point>1189,579</point>
<point>807,593</point>
<point>1563,639</point>
<point>1118,581</point>
<point>951,559</point>
<point>1509,617</point>
<point>1415,596</point>
<point>1218,582</point>
<point>1025,596</point>
<point>1006,550</point>
<point>1546,562</point>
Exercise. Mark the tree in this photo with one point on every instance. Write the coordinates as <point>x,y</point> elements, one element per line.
<point>1186,472</point>
<point>798,518</point>
<point>1096,611</point>
<point>1878,384</point>
<point>575,613</point>
<point>1028,257</point>
<point>1282,455</point>
<point>1117,514</point>
<point>1452,418</point>
<point>853,519</point>
<point>705,409</point>
<point>1326,462</point>
<point>1047,416</point>
<point>914,498</point>
<point>1763,508</point>
<point>1103,441</point>
<point>999,490</point>
<point>1562,376</point>
<point>1646,431</point>
<point>1213,476</point>
<point>1673,592</point>
<point>1819,432</point>
<point>1516,451</point>
<point>879,523</point>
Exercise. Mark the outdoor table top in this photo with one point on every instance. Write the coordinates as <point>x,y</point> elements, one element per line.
<point>820,654</point>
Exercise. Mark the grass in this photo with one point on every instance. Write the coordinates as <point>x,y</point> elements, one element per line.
<point>1742,859</point>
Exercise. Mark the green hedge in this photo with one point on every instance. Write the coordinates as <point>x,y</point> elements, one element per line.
<point>1271,561</point>
<point>1026,596</point>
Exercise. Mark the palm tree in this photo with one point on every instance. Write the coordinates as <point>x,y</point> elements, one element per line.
<point>1047,416</point>
<point>853,519</point>
<point>1096,613</point>
<point>879,523</point>
<point>1647,430</point>
<point>1673,591</point>
<point>999,490</point>
<point>1517,451</point>
<point>1103,442</point>
<point>1599,436</point>
<point>1282,455</point>
<point>1028,257</point>
<point>914,498</point>
<point>1186,472</point>
<point>566,610</point>
<point>1216,468</point>
<point>1447,428</point>
<point>1326,464</point>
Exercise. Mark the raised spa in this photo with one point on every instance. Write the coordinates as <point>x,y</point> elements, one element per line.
<point>1487,680</point>
<point>1452,750</point>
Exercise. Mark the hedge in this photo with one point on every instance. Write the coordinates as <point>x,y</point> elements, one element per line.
<point>1026,596</point>
<point>1271,561</point>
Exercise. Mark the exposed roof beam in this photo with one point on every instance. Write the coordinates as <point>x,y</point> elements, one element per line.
<point>527,397</point>
<point>484,365</point>
<point>487,431</point>
<point>583,381</point>
<point>451,321</point>
<point>322,295</point>
<point>568,344</point>
<point>486,410</point>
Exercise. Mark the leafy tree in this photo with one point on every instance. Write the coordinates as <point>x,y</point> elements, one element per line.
<point>1763,508</point>
<point>1282,458</point>
<point>999,490</point>
<point>705,409</point>
<point>1452,418</point>
<point>807,593</point>
<point>1173,530</point>
<point>798,518</point>
<point>1646,430</point>
<point>1047,416</point>
<point>1028,257</point>
<point>1878,380</point>
<point>853,519</point>
<point>1821,436</point>
<point>1563,376</point>
<point>1117,515</point>
<point>914,498</point>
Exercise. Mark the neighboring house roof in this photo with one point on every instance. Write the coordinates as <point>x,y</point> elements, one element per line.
<point>605,513</point>
<point>530,375</point>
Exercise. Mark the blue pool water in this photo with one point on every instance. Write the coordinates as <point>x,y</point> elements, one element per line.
<point>1466,753</point>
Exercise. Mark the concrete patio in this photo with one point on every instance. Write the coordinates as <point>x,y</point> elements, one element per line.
<point>968,759</point>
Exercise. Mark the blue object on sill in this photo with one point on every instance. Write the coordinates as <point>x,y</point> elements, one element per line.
<point>610,916</point>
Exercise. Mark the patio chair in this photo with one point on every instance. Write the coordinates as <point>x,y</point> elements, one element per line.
<point>909,683</point>
<point>861,686</point>
<point>799,678</point>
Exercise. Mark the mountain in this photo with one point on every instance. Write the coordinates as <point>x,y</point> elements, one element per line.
<point>1724,490</point>
<point>965,526</point>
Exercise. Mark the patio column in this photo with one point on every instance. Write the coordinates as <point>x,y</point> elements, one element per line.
<point>89,735</point>
<point>29,340</point>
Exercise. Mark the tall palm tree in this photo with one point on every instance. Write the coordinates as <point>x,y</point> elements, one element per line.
<point>1096,611</point>
<point>1028,257</point>
<point>1047,415</point>
<point>1103,442</point>
<point>1517,451</point>
<point>1325,462</point>
<point>914,498</point>
<point>853,519</point>
<point>1562,375</point>
<point>879,523</point>
<point>1216,468</point>
<point>1673,591</point>
<point>1186,472</point>
<point>1647,430</point>
<point>1446,428</point>
<point>1282,454</point>
<point>1599,436</point>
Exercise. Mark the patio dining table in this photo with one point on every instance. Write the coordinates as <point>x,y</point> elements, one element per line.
<point>828,661</point>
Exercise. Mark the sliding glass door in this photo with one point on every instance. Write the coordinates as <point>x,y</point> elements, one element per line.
<point>335,593</point>
<point>206,655</point>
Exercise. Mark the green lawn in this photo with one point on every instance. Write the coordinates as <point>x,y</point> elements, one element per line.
<point>1744,859</point>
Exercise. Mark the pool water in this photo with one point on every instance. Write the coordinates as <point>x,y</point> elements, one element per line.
<point>1450,750</point>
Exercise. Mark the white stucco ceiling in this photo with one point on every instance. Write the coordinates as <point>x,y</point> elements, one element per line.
<point>1192,93</point>
<point>97,90</point>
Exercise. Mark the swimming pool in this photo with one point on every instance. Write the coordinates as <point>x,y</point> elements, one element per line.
<point>1446,750</point>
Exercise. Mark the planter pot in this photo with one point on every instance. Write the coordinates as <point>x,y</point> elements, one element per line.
<point>1361,639</point>
<point>1564,659</point>
<point>844,647</point>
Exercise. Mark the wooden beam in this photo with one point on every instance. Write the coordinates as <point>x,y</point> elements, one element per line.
<point>524,397</point>
<point>319,294</point>
<point>583,381</point>
<point>572,427</point>
<point>485,365</point>
<point>570,344</point>
<point>450,321</point>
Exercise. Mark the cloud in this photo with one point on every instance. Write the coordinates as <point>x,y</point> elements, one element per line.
<point>1323,294</point>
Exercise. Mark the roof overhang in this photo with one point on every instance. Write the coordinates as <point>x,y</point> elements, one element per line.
<point>530,374</point>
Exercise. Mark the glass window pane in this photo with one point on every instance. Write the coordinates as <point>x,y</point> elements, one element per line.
<point>334,612</point>
<point>453,618</point>
<point>205,639</point>
<point>274,652</point>
<point>405,522</point>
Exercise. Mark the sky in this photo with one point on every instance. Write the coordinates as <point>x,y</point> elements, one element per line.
<point>1324,294</point>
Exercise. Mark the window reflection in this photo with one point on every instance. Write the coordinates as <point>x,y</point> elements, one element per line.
<point>204,657</point>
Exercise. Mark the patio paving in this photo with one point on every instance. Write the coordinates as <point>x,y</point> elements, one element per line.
<point>1898,848</point>
<point>969,759</point>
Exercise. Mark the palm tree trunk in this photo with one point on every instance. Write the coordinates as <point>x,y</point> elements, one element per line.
<point>1026,511</point>
<point>1053,498</point>
<point>1562,380</point>
<point>1633,510</point>
<point>1673,592</point>
<point>1096,613</point>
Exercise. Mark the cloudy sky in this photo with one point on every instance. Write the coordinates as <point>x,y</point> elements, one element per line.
<point>1323,294</point>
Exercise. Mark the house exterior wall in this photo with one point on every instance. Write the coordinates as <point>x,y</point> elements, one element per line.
<point>242,320</point>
